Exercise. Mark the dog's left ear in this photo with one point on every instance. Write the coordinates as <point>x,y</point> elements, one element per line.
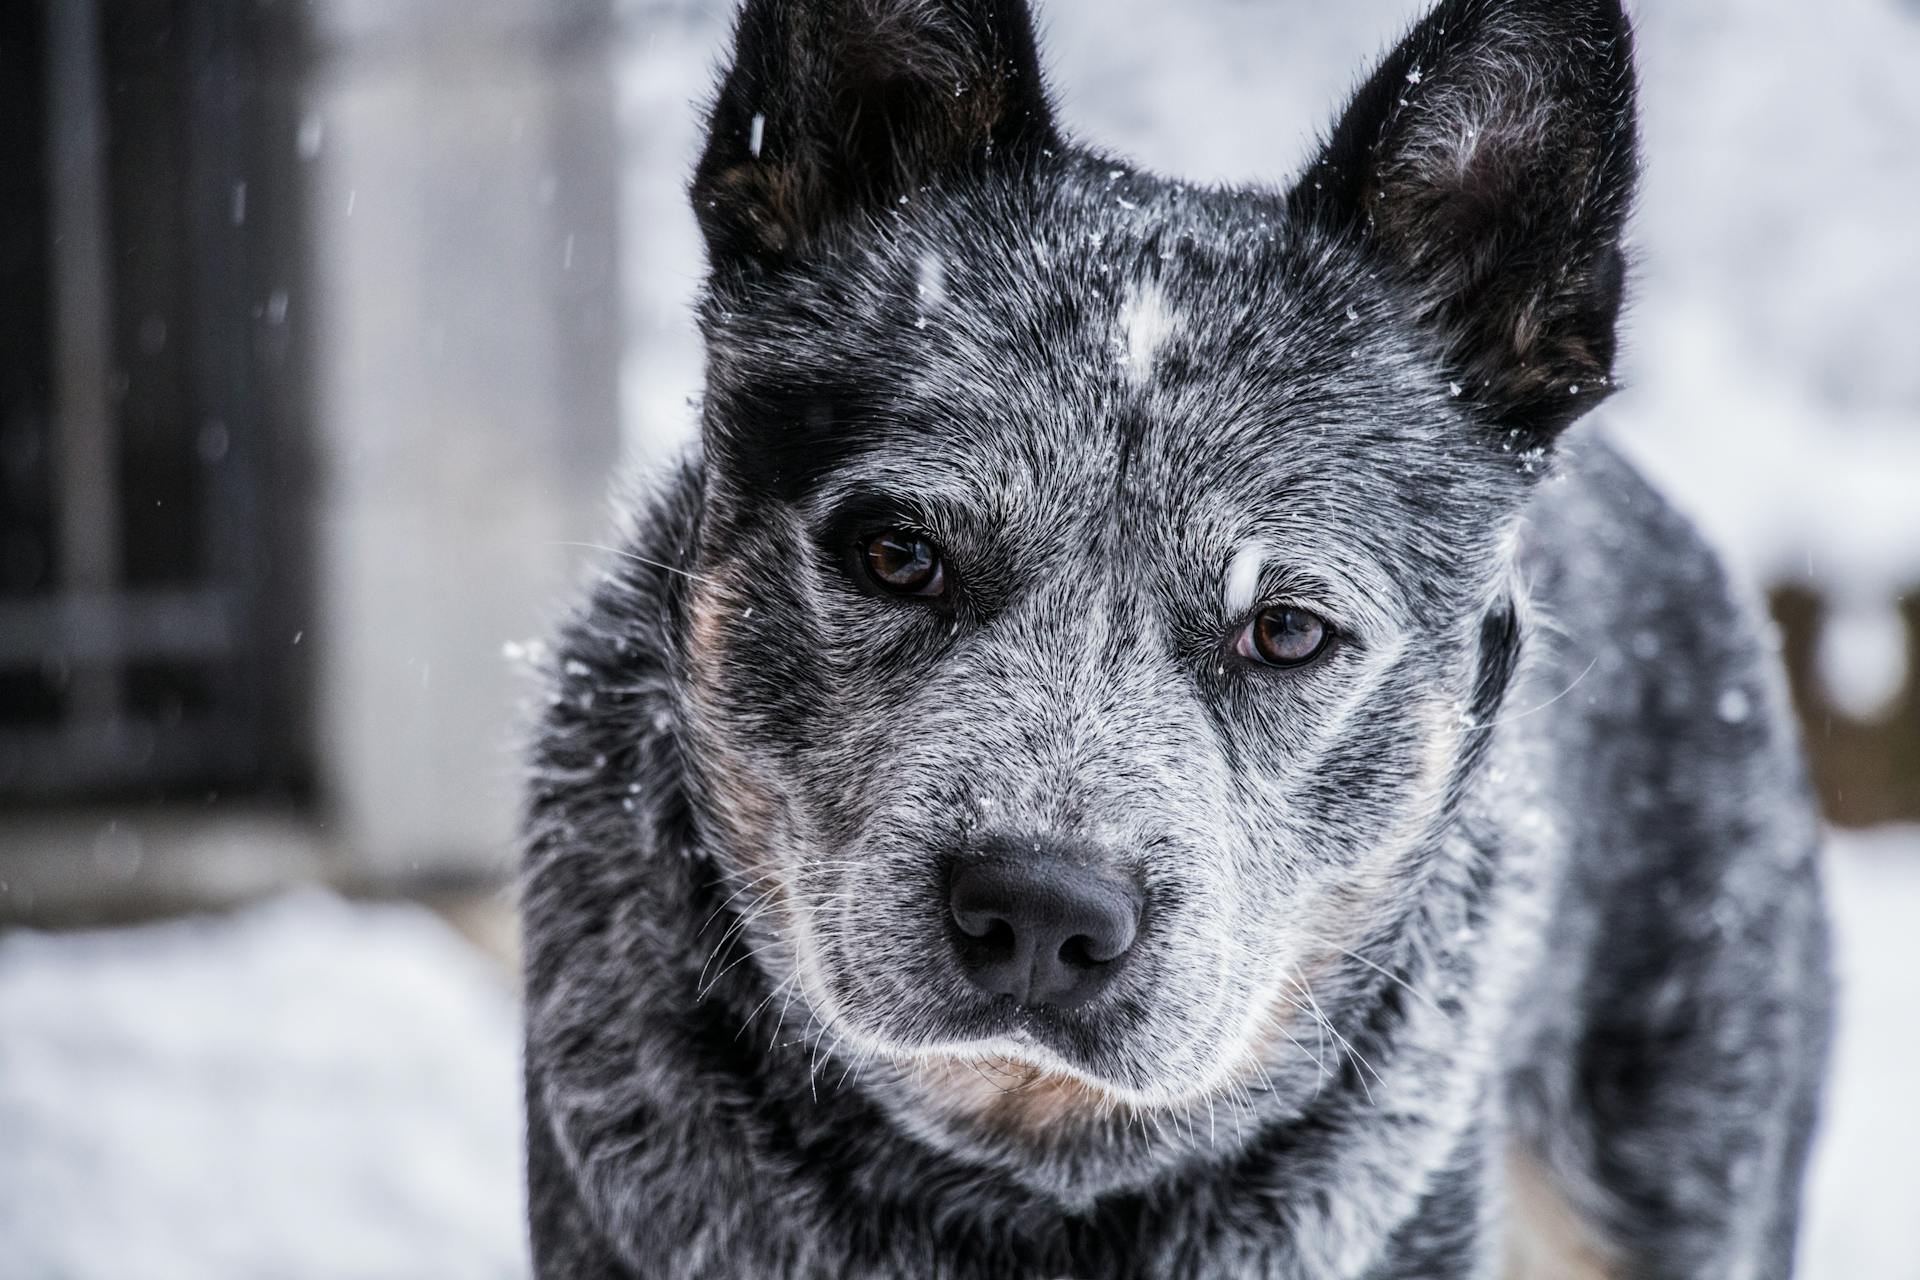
<point>1490,163</point>
<point>836,109</point>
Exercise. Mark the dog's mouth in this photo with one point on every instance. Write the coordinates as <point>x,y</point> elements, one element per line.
<point>1021,1063</point>
<point>1042,1082</point>
<point>1041,1036</point>
<point>1093,1054</point>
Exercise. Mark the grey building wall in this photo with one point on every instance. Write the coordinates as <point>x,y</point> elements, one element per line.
<point>462,213</point>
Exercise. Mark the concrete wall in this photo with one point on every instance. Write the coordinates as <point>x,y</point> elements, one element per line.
<point>461,162</point>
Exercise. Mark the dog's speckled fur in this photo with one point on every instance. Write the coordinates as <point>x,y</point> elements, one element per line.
<point>1521,874</point>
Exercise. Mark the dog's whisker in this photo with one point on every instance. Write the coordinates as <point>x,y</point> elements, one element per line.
<point>1347,1045</point>
<point>734,933</point>
<point>1499,721</point>
<point>781,1021</point>
<point>637,558</point>
<point>736,963</point>
<point>1384,972</point>
<point>769,999</point>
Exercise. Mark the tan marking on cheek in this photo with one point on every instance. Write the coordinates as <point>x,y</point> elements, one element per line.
<point>1351,901</point>
<point>710,609</point>
<point>748,811</point>
<point>1016,1099</point>
<point>1440,742</point>
<point>1547,1239</point>
<point>1376,874</point>
<point>1290,1014</point>
<point>1341,912</point>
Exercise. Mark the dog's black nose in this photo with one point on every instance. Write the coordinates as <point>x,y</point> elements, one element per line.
<point>1040,928</point>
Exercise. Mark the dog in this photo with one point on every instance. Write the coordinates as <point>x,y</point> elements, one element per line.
<point>1142,743</point>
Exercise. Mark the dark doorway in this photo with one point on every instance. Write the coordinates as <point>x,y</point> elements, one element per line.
<point>151,567</point>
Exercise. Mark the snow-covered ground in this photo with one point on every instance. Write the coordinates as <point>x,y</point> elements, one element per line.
<point>1865,1184</point>
<point>315,1089</point>
<point>307,1088</point>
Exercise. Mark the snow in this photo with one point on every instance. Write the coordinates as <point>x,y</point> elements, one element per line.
<point>310,1088</point>
<point>304,1089</point>
<point>1865,1180</point>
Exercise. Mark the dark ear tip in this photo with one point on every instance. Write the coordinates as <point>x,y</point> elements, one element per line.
<point>861,99</point>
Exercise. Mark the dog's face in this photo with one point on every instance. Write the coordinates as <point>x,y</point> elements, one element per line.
<point>1104,583</point>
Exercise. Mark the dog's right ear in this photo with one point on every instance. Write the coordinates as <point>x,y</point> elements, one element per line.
<point>838,108</point>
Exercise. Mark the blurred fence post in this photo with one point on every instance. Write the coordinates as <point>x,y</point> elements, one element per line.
<point>89,548</point>
<point>1867,770</point>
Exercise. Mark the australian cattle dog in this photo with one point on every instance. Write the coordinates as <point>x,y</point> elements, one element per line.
<point>1144,742</point>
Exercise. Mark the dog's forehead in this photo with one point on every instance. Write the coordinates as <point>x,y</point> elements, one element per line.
<point>1124,350</point>
<point>1186,354</point>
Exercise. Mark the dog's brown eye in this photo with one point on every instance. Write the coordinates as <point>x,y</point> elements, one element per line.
<point>1284,637</point>
<point>905,564</point>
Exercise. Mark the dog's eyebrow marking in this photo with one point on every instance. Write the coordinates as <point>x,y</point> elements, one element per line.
<point>1243,577</point>
<point>1145,323</point>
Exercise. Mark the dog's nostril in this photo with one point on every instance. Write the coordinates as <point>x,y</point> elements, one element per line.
<point>996,939</point>
<point>980,923</point>
<point>1077,951</point>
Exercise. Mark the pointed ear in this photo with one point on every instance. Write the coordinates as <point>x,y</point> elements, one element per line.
<point>835,107</point>
<point>1490,163</point>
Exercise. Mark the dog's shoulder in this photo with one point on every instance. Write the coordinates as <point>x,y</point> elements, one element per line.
<point>1640,627</point>
<point>1653,687</point>
<point>1659,716</point>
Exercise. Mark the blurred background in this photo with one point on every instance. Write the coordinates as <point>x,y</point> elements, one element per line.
<point>325,327</point>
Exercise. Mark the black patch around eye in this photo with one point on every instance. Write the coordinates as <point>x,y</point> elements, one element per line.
<point>861,515</point>
<point>784,439</point>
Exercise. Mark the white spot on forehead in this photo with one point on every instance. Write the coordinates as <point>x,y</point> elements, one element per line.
<point>1145,323</point>
<point>932,280</point>
<point>1243,577</point>
<point>757,135</point>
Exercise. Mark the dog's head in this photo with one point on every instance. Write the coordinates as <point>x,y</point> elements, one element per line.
<point>1105,581</point>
